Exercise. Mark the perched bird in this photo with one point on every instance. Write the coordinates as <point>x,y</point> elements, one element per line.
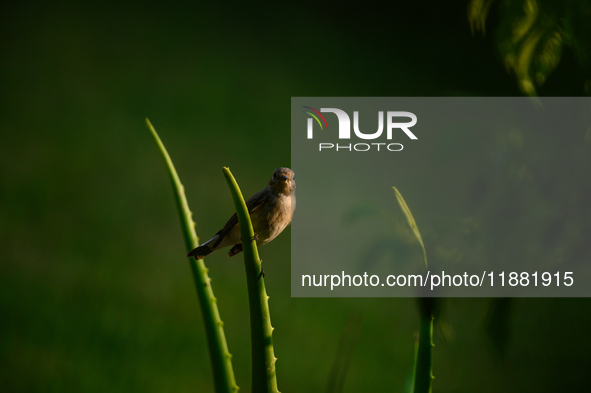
<point>270,212</point>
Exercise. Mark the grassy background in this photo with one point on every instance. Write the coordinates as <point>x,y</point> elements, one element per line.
<point>95,292</point>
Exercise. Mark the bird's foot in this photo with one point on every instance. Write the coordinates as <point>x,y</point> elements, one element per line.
<point>255,237</point>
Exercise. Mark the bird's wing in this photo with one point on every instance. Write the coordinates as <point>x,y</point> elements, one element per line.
<point>251,204</point>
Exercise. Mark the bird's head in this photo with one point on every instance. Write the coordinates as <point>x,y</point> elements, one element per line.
<point>283,181</point>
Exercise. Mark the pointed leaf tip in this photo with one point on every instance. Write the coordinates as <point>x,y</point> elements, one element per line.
<point>411,221</point>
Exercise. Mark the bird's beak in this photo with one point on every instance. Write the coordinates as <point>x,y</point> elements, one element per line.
<point>284,177</point>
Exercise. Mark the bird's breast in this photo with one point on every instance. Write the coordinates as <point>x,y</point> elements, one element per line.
<point>272,218</point>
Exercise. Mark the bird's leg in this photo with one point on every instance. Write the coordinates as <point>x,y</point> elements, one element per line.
<point>262,272</point>
<point>235,250</point>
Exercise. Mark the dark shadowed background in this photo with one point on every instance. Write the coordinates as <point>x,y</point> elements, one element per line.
<point>95,291</point>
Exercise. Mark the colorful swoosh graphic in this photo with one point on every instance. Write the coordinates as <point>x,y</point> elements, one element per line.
<point>315,117</point>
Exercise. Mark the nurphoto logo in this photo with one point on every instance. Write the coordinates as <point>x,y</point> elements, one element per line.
<point>393,124</point>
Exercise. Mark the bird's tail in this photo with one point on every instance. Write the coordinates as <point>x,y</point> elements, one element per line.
<point>203,250</point>
<point>200,252</point>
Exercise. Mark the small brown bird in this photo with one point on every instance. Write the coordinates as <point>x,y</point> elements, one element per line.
<point>270,212</point>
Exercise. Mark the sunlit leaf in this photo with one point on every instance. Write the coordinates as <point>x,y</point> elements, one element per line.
<point>411,221</point>
<point>533,34</point>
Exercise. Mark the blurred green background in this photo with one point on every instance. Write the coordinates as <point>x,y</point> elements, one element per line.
<point>95,291</point>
